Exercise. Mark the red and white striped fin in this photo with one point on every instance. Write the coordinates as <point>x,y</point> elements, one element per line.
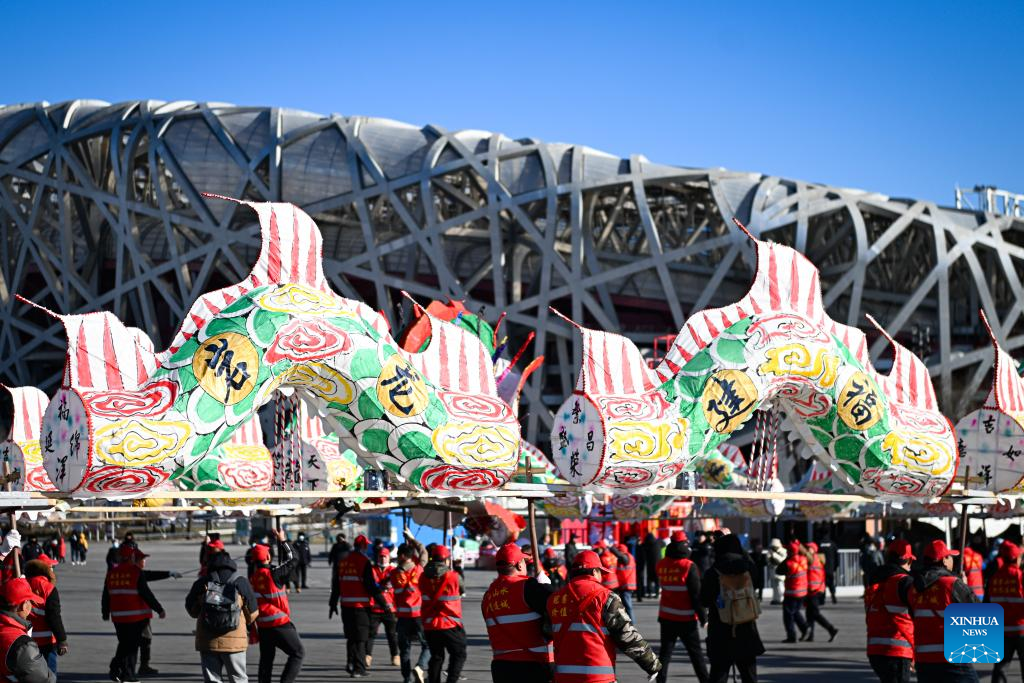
<point>908,381</point>
<point>311,427</point>
<point>613,365</point>
<point>733,454</point>
<point>292,253</point>
<point>29,405</point>
<point>248,433</point>
<point>1007,386</point>
<point>455,360</point>
<point>105,355</point>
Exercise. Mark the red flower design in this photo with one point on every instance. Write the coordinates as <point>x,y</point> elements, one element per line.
<point>302,340</point>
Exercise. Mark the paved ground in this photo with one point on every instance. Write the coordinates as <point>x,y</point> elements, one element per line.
<point>92,640</point>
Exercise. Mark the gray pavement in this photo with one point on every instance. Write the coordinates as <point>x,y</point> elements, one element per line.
<point>92,640</point>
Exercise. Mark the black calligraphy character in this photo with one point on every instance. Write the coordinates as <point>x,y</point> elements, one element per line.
<point>221,362</point>
<point>729,405</point>
<point>576,410</point>
<point>402,388</point>
<point>313,462</point>
<point>574,464</point>
<point>48,444</point>
<point>986,473</point>
<point>989,423</point>
<point>563,438</point>
<point>1012,453</point>
<point>865,401</point>
<point>62,410</point>
<point>590,440</point>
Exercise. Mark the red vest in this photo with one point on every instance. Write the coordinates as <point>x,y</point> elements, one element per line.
<point>610,579</point>
<point>7,568</point>
<point>583,651</point>
<point>126,605</point>
<point>41,632</point>
<point>351,571</point>
<point>271,598</point>
<point>626,575</point>
<point>380,575</point>
<point>890,627</point>
<point>929,609</point>
<point>1004,588</point>
<point>10,631</point>
<point>513,628</point>
<point>796,577</point>
<point>442,606</point>
<point>675,603</point>
<point>972,567</point>
<point>406,588</point>
<point>816,577</point>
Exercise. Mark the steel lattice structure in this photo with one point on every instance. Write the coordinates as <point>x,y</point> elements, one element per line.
<point>100,208</point>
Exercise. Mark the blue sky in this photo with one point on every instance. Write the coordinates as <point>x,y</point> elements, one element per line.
<point>902,98</point>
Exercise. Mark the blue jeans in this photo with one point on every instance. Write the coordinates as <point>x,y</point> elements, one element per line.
<point>51,659</point>
<point>627,601</point>
<point>410,631</point>
<point>946,673</point>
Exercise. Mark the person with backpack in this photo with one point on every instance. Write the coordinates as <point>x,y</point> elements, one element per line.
<point>728,590</point>
<point>224,605</point>
<point>679,608</point>
<point>816,594</point>
<point>274,623</point>
<point>47,624</point>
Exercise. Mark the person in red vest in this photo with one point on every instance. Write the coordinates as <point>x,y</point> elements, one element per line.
<point>355,585</point>
<point>47,624</point>
<point>1005,588</point>
<point>887,607</point>
<point>610,578</point>
<point>441,588</point>
<point>405,582</point>
<point>274,623</point>
<point>972,569</point>
<point>128,602</point>
<point>935,587</point>
<point>555,568</point>
<point>588,623</point>
<point>816,594</point>
<point>21,660</point>
<point>383,615</point>
<point>515,609</point>
<point>679,607</point>
<point>625,575</point>
<point>794,569</point>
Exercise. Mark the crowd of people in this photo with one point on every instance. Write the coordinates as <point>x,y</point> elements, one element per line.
<point>563,620</point>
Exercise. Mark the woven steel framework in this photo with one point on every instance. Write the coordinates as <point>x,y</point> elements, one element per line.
<point>100,208</point>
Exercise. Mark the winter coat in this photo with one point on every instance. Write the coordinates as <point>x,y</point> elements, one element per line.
<point>220,567</point>
<point>725,645</point>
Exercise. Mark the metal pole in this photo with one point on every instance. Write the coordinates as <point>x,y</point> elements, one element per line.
<point>531,512</point>
<point>447,525</point>
<point>14,519</point>
<point>964,520</point>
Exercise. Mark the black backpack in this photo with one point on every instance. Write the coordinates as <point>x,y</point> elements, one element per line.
<point>219,611</point>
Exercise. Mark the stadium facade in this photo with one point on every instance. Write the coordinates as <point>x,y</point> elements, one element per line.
<point>100,209</point>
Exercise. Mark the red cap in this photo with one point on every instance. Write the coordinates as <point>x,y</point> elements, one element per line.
<point>938,550</point>
<point>128,552</point>
<point>588,559</point>
<point>599,545</point>
<point>678,536</point>
<point>440,552</point>
<point>47,559</point>
<point>260,553</point>
<point>812,546</point>
<point>509,553</point>
<point>384,552</point>
<point>216,545</point>
<point>899,550</point>
<point>361,541</point>
<point>16,591</point>
<point>622,548</point>
<point>1009,550</point>
<point>549,552</point>
<point>793,547</point>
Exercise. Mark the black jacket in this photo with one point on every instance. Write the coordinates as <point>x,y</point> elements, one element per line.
<point>886,571</point>
<point>931,573</point>
<point>723,644</point>
<point>302,553</point>
<point>220,567</point>
<point>24,659</point>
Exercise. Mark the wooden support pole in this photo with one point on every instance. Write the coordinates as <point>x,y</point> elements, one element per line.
<point>964,521</point>
<point>531,512</point>
<point>14,519</point>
